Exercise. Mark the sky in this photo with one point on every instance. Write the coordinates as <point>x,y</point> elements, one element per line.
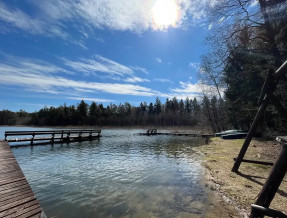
<point>108,51</point>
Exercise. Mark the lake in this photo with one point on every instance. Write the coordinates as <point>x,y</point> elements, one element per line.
<point>120,175</point>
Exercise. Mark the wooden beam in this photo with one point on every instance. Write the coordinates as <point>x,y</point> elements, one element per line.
<point>261,211</point>
<point>250,134</point>
<point>266,86</point>
<point>273,181</point>
<point>281,71</point>
<point>256,162</point>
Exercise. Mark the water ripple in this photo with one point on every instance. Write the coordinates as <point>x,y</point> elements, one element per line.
<point>120,175</point>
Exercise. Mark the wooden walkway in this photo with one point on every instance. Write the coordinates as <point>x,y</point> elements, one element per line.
<point>16,196</point>
<point>151,132</point>
<point>55,136</point>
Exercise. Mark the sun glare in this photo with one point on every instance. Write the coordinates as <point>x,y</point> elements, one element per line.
<point>165,13</point>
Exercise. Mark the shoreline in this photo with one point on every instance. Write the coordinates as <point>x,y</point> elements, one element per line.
<point>240,190</point>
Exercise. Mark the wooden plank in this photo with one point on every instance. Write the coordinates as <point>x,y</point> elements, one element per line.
<point>19,197</point>
<point>16,203</point>
<point>9,196</point>
<point>31,213</point>
<point>12,185</point>
<point>14,189</point>
<point>4,182</point>
<point>26,211</point>
<point>12,194</point>
<point>11,176</point>
<point>18,208</point>
<point>16,196</point>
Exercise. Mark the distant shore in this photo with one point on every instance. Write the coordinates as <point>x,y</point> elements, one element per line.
<point>200,129</point>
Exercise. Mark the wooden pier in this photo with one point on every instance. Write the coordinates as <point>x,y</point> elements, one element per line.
<point>151,132</point>
<point>16,196</point>
<point>52,136</point>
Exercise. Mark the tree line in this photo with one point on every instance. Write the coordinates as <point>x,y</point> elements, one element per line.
<point>172,112</point>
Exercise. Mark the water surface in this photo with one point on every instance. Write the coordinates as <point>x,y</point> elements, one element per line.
<point>120,175</point>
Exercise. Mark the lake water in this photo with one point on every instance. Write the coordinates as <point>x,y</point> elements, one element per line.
<point>120,175</point>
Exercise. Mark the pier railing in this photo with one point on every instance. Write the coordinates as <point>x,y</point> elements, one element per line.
<point>54,135</point>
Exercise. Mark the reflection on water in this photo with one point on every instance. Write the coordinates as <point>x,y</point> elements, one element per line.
<point>120,175</point>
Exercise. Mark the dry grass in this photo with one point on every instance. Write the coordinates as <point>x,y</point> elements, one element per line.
<point>243,187</point>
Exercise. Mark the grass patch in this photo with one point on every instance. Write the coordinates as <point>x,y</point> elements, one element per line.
<point>246,185</point>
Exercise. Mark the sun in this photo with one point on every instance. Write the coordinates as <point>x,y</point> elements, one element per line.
<point>165,13</point>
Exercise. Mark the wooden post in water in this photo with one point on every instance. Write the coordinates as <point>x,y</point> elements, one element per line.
<point>91,135</point>
<point>68,136</point>
<point>80,135</point>
<point>32,140</point>
<point>62,135</point>
<point>273,181</point>
<point>53,136</point>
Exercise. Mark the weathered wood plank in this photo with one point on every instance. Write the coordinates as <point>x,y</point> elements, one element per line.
<point>31,213</point>
<point>18,208</point>
<point>16,203</point>
<point>16,196</point>
<point>14,189</point>
<point>4,182</point>
<point>9,195</point>
<point>25,211</point>
<point>12,185</point>
<point>21,195</point>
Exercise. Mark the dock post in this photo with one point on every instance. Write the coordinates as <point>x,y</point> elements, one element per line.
<point>52,139</point>
<point>62,135</point>
<point>68,136</point>
<point>91,135</point>
<point>80,136</point>
<point>32,140</point>
<point>273,181</point>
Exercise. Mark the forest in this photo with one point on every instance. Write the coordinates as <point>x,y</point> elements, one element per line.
<point>247,43</point>
<point>173,112</point>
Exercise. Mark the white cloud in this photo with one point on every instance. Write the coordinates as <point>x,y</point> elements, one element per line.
<point>29,75</point>
<point>112,69</point>
<point>30,65</point>
<point>158,60</point>
<point>20,20</point>
<point>53,16</point>
<point>210,26</point>
<point>90,99</point>
<point>141,69</point>
<point>254,3</point>
<point>162,80</point>
<point>135,79</point>
<point>188,89</point>
<point>194,65</point>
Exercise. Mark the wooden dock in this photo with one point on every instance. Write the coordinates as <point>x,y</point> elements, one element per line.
<point>52,136</point>
<point>151,132</point>
<point>16,196</point>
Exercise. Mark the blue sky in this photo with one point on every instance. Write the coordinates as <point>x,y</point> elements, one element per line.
<point>108,51</point>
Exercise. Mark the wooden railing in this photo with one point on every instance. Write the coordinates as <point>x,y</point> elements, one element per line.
<point>59,135</point>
